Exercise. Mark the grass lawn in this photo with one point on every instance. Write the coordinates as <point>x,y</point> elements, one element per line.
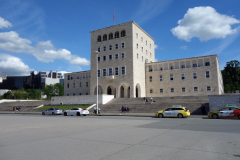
<point>63,107</point>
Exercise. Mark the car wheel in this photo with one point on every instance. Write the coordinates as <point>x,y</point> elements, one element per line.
<point>78,114</point>
<point>239,116</point>
<point>84,114</point>
<point>160,115</point>
<point>53,113</point>
<point>214,116</point>
<point>65,114</point>
<point>43,113</point>
<point>180,116</point>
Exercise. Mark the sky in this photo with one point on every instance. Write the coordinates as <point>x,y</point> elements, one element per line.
<point>54,35</point>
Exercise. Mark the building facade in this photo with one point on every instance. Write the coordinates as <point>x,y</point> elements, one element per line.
<point>123,59</point>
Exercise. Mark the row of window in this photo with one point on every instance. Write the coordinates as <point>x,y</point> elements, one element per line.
<point>78,77</point>
<point>146,42</point>
<point>195,89</point>
<point>75,94</point>
<point>171,77</point>
<point>109,72</point>
<point>110,47</point>
<point>142,49</point>
<point>110,57</point>
<point>110,36</point>
<point>74,85</point>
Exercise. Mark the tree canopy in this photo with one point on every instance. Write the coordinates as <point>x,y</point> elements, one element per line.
<point>231,76</point>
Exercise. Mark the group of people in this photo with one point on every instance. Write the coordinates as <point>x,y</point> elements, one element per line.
<point>146,100</point>
<point>17,109</point>
<point>124,109</point>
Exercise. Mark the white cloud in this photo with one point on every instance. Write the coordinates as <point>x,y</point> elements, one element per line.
<point>4,23</point>
<point>155,46</point>
<point>204,23</point>
<point>183,47</point>
<point>13,65</point>
<point>44,51</point>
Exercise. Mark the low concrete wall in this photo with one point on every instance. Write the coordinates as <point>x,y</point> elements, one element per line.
<point>217,102</point>
<point>83,99</point>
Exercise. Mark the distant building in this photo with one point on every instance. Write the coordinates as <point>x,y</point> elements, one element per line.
<point>33,81</point>
<point>127,68</point>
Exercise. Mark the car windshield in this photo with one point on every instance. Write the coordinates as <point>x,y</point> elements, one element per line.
<point>57,109</point>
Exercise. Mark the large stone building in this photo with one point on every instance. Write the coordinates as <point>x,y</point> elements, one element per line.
<point>124,55</point>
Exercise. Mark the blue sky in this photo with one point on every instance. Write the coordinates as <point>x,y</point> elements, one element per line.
<point>44,35</point>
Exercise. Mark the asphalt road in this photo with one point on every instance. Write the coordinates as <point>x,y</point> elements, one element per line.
<point>33,137</point>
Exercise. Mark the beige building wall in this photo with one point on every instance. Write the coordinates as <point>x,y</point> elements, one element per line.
<point>77,83</point>
<point>120,85</point>
<point>207,82</point>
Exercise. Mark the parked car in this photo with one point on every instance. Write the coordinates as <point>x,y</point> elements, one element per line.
<point>174,111</point>
<point>76,112</point>
<point>230,111</point>
<point>52,111</point>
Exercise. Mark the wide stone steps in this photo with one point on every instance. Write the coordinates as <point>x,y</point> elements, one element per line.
<point>136,104</point>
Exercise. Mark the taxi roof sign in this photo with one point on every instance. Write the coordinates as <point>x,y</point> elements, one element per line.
<point>176,106</point>
<point>231,105</point>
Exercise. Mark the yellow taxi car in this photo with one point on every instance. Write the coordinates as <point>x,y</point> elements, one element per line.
<point>174,111</point>
<point>230,111</point>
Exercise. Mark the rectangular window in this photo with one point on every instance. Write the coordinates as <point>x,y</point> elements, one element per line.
<point>183,89</point>
<point>104,48</point>
<point>86,84</point>
<point>141,39</point>
<point>161,90</point>
<point>80,94</point>
<point>195,89</point>
<point>110,47</point>
<point>150,78</point>
<point>171,77</point>
<point>110,57</point>
<point>116,46</point>
<point>104,72</point>
<point>146,43</point>
<point>142,49</point>
<point>116,56</point>
<point>150,46</point>
<point>207,74</point>
<point>137,46</point>
<point>183,66</point>
<point>207,64</point>
<point>123,71</point>
<point>136,35</point>
<point>99,59</point>
<point>98,49</point>
<point>172,89</point>
<point>80,84</point>
<point>208,88</point>
<point>151,90</point>
<point>183,76</point>
<point>99,73</point>
<point>104,58</point>
<point>194,75</point>
<point>123,45</point>
<point>73,85</point>
<point>146,52</point>
<point>160,78</point>
<point>116,71</point>
<point>67,94</point>
<point>68,85</point>
<point>194,65</point>
<point>123,55</point>
<point>86,93</point>
<point>73,94</point>
<point>110,71</point>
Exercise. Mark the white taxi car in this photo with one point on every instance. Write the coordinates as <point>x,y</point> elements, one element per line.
<point>76,112</point>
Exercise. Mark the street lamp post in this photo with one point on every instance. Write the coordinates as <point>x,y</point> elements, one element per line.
<point>97,79</point>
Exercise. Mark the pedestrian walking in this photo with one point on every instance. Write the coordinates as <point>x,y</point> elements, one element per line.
<point>151,100</point>
<point>144,100</point>
<point>123,110</point>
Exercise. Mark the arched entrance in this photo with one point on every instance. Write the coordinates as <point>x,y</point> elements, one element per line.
<point>128,92</point>
<point>122,92</point>
<point>138,90</point>
<point>111,90</point>
<point>100,90</point>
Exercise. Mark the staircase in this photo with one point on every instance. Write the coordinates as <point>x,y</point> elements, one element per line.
<point>193,103</point>
<point>26,106</point>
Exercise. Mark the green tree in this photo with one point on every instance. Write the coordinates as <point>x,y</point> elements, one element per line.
<point>231,76</point>
<point>34,93</point>
<point>9,95</point>
<point>48,90</point>
<point>59,89</point>
<point>20,94</point>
